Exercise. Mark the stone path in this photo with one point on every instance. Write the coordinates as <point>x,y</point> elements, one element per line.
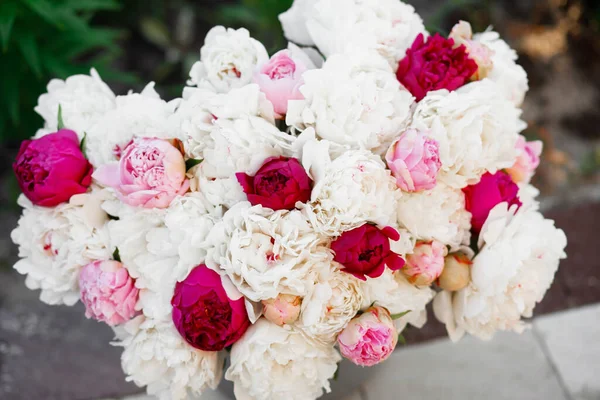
<point>558,359</point>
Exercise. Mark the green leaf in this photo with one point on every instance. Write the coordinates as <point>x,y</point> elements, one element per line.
<point>46,10</point>
<point>8,13</point>
<point>191,163</point>
<point>116,255</point>
<point>29,49</point>
<point>400,315</point>
<point>402,339</point>
<point>82,144</point>
<point>92,5</point>
<point>60,124</point>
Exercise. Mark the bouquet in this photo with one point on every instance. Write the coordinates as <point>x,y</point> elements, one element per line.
<point>288,211</point>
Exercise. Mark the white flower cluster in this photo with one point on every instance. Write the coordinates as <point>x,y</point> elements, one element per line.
<point>301,217</point>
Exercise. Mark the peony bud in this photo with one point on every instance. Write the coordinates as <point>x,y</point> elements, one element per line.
<point>426,263</point>
<point>462,35</point>
<point>369,338</point>
<point>284,309</point>
<point>457,272</point>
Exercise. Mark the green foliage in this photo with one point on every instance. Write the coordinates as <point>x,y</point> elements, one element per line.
<point>45,39</point>
<point>260,18</point>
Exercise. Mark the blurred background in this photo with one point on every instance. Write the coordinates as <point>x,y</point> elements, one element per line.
<point>135,41</point>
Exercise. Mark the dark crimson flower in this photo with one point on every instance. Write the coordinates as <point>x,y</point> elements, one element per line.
<point>485,195</point>
<point>434,64</point>
<point>203,313</point>
<point>52,168</point>
<point>365,251</point>
<point>278,184</point>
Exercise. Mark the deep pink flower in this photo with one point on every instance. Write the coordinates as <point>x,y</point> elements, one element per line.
<point>485,195</point>
<point>150,173</point>
<point>365,251</point>
<point>369,338</point>
<point>279,184</point>
<point>528,159</point>
<point>414,161</point>
<point>203,313</point>
<point>434,64</point>
<point>52,168</point>
<point>280,80</point>
<point>108,292</point>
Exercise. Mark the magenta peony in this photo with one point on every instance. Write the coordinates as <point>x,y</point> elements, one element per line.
<point>369,338</point>
<point>434,64</point>
<point>203,313</point>
<point>426,263</point>
<point>414,161</point>
<point>279,184</point>
<point>365,251</point>
<point>150,173</point>
<point>52,168</point>
<point>485,195</point>
<point>108,292</point>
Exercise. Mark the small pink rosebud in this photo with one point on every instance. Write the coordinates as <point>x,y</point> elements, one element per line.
<point>426,263</point>
<point>528,159</point>
<point>457,272</point>
<point>369,338</point>
<point>284,309</point>
<point>108,292</point>
<point>414,161</point>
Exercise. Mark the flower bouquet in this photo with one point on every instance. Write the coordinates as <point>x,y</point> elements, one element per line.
<point>289,211</point>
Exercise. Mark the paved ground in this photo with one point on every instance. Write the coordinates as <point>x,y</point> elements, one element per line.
<point>558,359</point>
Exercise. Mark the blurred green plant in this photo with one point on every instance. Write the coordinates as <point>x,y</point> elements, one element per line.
<point>45,39</point>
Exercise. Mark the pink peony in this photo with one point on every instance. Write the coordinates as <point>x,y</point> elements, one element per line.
<point>414,161</point>
<point>365,251</point>
<point>369,338</point>
<point>108,292</point>
<point>284,309</point>
<point>52,168</point>
<point>203,313</point>
<point>485,195</point>
<point>528,159</point>
<point>279,184</point>
<point>280,80</point>
<point>463,35</point>
<point>150,173</point>
<point>426,263</point>
<point>434,64</point>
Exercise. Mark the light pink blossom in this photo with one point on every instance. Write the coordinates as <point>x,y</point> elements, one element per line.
<point>528,159</point>
<point>108,292</point>
<point>150,173</point>
<point>281,77</point>
<point>369,338</point>
<point>414,161</point>
<point>284,309</point>
<point>462,35</point>
<point>426,263</point>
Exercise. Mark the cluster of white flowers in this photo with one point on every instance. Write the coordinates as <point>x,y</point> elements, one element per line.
<point>301,220</point>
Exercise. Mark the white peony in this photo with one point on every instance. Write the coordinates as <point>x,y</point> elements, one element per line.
<point>266,252</point>
<point>54,243</point>
<point>271,363</point>
<point>510,77</point>
<point>83,99</point>
<point>353,189</point>
<point>519,255</point>
<point>200,109</point>
<point>227,59</point>
<point>156,356</point>
<point>354,101</point>
<point>438,214</point>
<point>293,22</point>
<point>476,129</point>
<point>329,305</point>
<point>387,26</point>
<point>135,115</point>
<point>393,291</point>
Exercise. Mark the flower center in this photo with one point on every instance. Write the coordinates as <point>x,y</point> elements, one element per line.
<point>271,182</point>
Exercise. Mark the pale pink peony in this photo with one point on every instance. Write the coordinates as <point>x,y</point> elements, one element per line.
<point>462,35</point>
<point>108,292</point>
<point>414,161</point>
<point>369,338</point>
<point>426,263</point>
<point>280,79</point>
<point>528,159</point>
<point>150,173</point>
<point>284,309</point>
